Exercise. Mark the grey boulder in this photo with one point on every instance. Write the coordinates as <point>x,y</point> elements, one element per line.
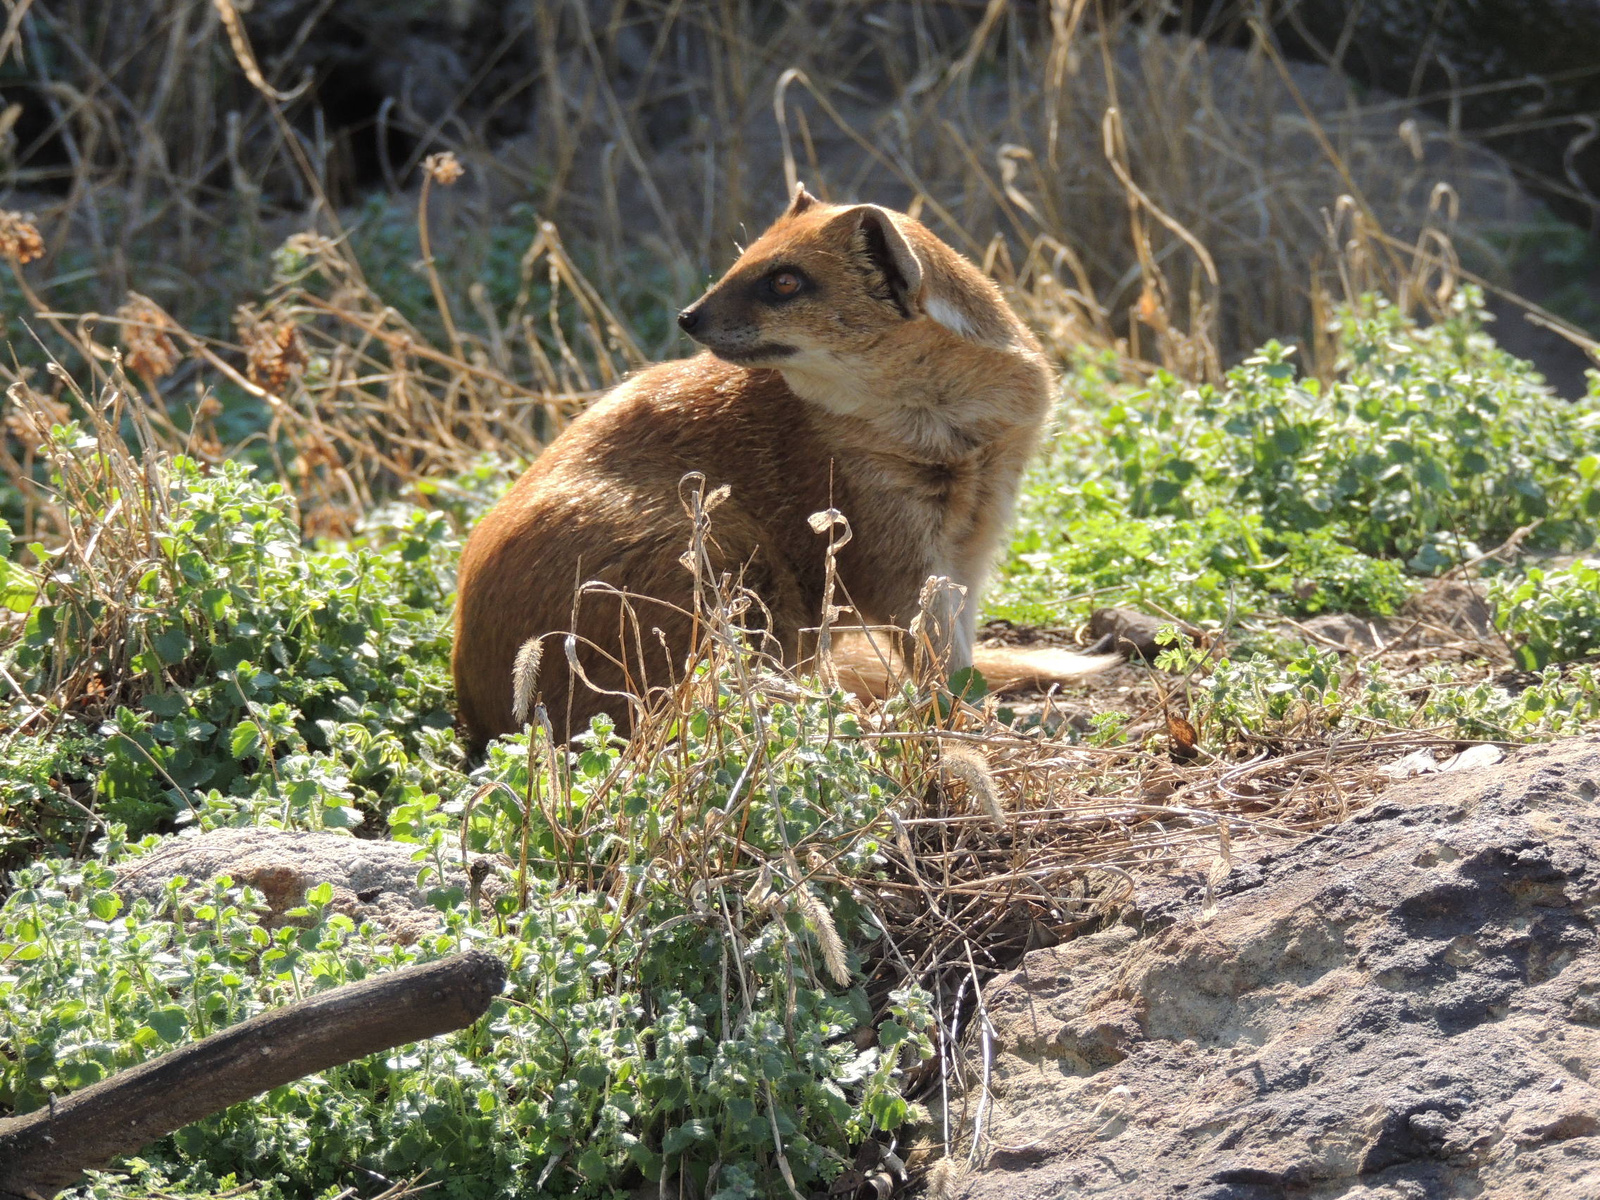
<point>1402,1007</point>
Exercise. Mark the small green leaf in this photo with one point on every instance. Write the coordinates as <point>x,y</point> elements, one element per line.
<point>164,704</point>
<point>170,1023</point>
<point>246,740</point>
<point>172,644</point>
<point>969,684</point>
<point>686,1135</point>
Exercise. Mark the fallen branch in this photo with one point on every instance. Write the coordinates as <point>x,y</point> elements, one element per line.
<point>47,1150</point>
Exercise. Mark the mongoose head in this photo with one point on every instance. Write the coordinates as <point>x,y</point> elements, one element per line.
<point>834,296</point>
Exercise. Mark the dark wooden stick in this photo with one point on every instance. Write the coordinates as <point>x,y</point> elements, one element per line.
<point>48,1149</point>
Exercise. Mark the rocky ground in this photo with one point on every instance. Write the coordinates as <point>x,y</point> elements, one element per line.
<point>1402,1007</point>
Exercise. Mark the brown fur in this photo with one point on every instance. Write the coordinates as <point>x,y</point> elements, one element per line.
<point>896,385</point>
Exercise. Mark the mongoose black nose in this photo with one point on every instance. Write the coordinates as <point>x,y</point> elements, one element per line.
<point>689,319</point>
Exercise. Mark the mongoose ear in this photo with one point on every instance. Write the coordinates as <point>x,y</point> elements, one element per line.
<point>892,255</point>
<point>802,201</point>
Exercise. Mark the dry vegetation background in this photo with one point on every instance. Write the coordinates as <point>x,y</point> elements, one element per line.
<point>227,197</point>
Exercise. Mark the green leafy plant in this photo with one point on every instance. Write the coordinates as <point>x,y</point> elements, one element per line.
<point>1316,694</point>
<point>681,1001</point>
<point>685,938</point>
<point>1276,492</point>
<point>1551,615</point>
<point>247,665</point>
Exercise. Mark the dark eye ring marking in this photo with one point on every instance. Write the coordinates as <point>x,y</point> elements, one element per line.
<point>785,284</point>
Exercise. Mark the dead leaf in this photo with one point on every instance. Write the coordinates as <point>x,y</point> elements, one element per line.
<point>1184,739</point>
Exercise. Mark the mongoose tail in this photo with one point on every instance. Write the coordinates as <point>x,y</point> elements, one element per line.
<point>872,670</point>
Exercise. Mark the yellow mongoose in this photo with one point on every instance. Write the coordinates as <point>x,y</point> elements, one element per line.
<point>855,362</point>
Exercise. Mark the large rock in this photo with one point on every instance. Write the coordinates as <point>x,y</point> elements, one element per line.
<point>1404,1006</point>
<point>372,881</point>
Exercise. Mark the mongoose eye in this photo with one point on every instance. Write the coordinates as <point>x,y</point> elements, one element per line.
<point>784,284</point>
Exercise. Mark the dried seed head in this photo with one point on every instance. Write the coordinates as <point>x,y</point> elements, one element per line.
<point>525,678</point>
<point>971,769</point>
<point>1411,134</point>
<point>19,237</point>
<point>333,521</point>
<point>761,896</point>
<point>315,452</point>
<point>302,252</point>
<point>33,415</point>
<point>1150,310</point>
<point>821,921</point>
<point>273,349</point>
<point>444,168</point>
<point>311,244</point>
<point>943,1179</point>
<point>146,347</point>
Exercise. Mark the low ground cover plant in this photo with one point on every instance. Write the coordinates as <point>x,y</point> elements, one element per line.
<point>1551,612</point>
<point>660,1017</point>
<point>684,943</point>
<point>1277,491</point>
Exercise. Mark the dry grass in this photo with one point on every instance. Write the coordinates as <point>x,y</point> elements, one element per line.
<point>1134,190</point>
<point>1132,185</point>
<point>98,561</point>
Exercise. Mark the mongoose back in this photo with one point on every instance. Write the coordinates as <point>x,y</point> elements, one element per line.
<point>852,361</point>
